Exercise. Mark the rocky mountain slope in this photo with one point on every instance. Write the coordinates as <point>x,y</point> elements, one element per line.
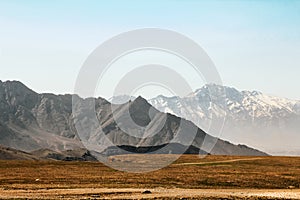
<point>262,121</point>
<point>7,153</point>
<point>30,121</point>
<point>13,154</point>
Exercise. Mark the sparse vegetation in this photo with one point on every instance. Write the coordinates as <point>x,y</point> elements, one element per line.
<point>261,173</point>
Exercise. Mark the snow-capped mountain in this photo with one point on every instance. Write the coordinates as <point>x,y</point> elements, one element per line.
<point>259,120</point>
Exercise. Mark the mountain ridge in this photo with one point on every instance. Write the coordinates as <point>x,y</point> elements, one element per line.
<point>32,121</point>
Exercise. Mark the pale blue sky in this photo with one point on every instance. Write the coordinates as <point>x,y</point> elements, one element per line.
<point>255,45</point>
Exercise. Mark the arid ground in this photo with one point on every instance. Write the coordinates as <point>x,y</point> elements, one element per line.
<point>212,177</point>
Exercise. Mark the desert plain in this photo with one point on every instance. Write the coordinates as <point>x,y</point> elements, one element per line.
<point>190,177</point>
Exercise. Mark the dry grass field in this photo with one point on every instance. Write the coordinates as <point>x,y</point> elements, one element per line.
<point>213,177</point>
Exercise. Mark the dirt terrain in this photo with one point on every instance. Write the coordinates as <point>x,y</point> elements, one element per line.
<point>212,177</point>
<point>131,193</point>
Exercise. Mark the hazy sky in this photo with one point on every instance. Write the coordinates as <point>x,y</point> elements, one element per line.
<point>255,45</point>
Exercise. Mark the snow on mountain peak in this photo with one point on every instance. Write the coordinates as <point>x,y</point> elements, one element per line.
<point>252,117</point>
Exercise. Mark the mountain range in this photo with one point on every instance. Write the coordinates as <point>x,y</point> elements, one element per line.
<point>262,121</point>
<point>45,124</point>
